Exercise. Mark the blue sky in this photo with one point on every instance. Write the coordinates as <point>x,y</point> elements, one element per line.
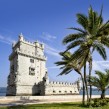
<point>46,21</point>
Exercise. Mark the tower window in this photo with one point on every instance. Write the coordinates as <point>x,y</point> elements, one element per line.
<point>70,91</point>
<point>65,91</point>
<point>59,91</point>
<point>32,60</point>
<point>31,71</point>
<point>54,91</point>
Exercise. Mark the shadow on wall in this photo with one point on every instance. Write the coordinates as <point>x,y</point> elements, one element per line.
<point>36,90</point>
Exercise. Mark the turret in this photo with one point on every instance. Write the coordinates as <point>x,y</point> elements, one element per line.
<point>79,84</point>
<point>28,61</point>
<point>21,37</point>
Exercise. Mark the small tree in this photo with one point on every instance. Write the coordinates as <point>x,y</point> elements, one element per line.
<point>101,81</point>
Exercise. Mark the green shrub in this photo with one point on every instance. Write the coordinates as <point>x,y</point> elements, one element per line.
<point>103,102</point>
<point>99,102</point>
<point>107,99</point>
<point>96,104</point>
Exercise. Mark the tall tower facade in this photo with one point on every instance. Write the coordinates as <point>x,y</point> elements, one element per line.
<point>27,68</point>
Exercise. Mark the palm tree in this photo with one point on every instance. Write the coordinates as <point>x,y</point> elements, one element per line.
<point>101,81</point>
<point>67,67</point>
<point>93,35</point>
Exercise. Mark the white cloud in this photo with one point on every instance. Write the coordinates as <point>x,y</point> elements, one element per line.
<point>96,66</point>
<point>51,48</point>
<point>48,37</point>
<point>1,37</point>
<point>100,65</point>
<point>7,40</point>
<point>51,51</point>
<point>106,65</point>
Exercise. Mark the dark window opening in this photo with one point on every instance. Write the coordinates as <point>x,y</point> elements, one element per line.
<point>31,71</point>
<point>32,60</point>
<point>54,91</point>
<point>59,91</point>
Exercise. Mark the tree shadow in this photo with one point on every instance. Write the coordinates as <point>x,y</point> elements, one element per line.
<point>21,104</point>
<point>16,107</point>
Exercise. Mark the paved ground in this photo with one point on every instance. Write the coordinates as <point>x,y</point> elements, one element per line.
<point>24,100</point>
<point>31,102</point>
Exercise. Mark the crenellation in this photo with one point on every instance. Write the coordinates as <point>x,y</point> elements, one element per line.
<point>51,83</point>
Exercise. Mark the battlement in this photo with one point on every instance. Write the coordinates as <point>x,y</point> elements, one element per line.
<point>34,44</point>
<point>62,83</point>
<point>27,48</point>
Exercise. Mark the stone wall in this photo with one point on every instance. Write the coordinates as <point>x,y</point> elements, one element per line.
<point>61,88</point>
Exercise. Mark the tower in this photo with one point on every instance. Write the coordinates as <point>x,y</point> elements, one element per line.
<point>27,68</point>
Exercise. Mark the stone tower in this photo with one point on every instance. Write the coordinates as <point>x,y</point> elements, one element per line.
<point>27,68</point>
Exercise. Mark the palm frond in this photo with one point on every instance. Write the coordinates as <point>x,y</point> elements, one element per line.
<point>81,52</point>
<point>78,29</point>
<point>61,63</point>
<point>103,27</point>
<point>100,74</point>
<point>105,41</point>
<point>100,16</point>
<point>90,19</point>
<point>72,37</point>
<point>66,70</point>
<point>65,55</point>
<point>82,20</point>
<point>94,81</point>
<point>99,47</point>
<point>74,44</point>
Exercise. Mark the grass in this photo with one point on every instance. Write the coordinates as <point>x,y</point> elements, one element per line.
<point>54,106</point>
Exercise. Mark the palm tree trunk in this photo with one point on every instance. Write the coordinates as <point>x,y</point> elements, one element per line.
<point>82,78</point>
<point>90,70</point>
<point>103,94</point>
<point>83,100</point>
<point>86,82</point>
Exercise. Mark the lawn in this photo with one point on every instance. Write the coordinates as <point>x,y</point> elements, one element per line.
<point>54,106</point>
